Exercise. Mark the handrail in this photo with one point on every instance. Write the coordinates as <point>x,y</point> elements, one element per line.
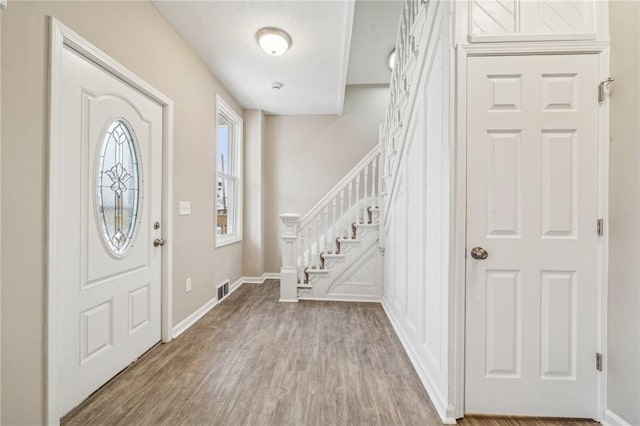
<point>344,182</point>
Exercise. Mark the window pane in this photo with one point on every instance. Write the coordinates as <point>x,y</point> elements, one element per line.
<point>118,194</point>
<point>225,205</point>
<point>227,182</point>
<point>224,151</point>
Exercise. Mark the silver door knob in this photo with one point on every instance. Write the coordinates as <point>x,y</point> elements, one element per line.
<point>158,242</point>
<point>479,253</point>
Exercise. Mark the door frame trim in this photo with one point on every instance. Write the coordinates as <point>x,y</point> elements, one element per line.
<point>61,36</point>
<point>457,351</point>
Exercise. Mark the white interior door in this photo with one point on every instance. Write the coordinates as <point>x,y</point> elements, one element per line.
<point>108,270</point>
<point>532,205</point>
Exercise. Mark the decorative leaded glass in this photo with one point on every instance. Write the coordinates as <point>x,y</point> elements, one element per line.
<point>118,187</point>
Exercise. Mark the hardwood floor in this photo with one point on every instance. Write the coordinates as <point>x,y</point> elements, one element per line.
<point>255,361</point>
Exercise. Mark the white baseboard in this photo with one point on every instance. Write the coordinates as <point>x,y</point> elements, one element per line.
<point>183,325</point>
<point>440,405</point>
<point>258,280</point>
<point>450,415</point>
<point>612,419</point>
<point>236,284</point>
<point>271,276</point>
<point>345,298</point>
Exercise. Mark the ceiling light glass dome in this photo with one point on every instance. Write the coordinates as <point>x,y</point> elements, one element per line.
<point>391,60</point>
<point>273,41</point>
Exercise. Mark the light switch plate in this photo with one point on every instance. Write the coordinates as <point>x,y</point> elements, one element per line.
<point>188,285</point>
<point>185,208</point>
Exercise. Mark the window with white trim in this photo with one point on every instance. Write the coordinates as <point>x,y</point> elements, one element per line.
<point>228,187</point>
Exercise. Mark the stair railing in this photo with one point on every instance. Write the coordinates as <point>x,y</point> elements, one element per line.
<point>306,239</point>
<point>412,22</point>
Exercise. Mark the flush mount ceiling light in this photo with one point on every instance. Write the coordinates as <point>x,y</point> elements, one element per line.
<point>273,41</point>
<point>391,60</point>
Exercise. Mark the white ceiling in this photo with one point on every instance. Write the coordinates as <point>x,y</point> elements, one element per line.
<point>313,71</point>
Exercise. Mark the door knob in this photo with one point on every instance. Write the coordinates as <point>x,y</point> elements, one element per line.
<point>479,253</point>
<point>158,242</point>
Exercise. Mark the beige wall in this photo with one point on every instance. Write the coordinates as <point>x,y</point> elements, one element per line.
<point>254,193</point>
<point>622,363</point>
<point>307,155</point>
<point>137,36</point>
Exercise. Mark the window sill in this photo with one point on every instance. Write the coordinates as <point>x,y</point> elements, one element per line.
<point>226,240</point>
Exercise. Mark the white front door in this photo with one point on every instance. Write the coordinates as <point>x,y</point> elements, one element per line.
<point>108,270</point>
<point>532,206</point>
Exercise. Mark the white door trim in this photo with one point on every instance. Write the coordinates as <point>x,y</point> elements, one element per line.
<point>61,36</point>
<point>459,212</point>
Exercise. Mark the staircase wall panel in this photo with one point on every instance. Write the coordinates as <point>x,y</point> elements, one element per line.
<point>524,17</point>
<point>362,280</point>
<point>417,221</point>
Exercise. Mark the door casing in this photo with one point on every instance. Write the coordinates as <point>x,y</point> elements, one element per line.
<point>459,208</point>
<point>61,36</point>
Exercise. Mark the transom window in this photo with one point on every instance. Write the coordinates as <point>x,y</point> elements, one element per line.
<point>228,218</point>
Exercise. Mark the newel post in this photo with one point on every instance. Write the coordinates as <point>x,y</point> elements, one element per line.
<point>289,271</point>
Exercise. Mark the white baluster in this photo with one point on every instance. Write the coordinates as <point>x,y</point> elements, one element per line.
<point>341,228</point>
<point>310,243</point>
<point>357,210</point>
<point>412,10</point>
<point>301,262</point>
<point>348,225</point>
<point>366,203</point>
<point>374,181</point>
<point>401,43</point>
<point>316,257</point>
<point>325,232</point>
<point>334,225</point>
<point>319,233</point>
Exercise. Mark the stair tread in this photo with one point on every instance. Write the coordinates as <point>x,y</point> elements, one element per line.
<point>366,225</point>
<point>349,240</point>
<point>305,286</point>
<point>333,256</point>
<point>316,271</point>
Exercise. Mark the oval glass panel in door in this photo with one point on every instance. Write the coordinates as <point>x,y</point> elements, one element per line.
<point>118,194</point>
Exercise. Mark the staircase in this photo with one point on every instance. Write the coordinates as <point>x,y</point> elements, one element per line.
<point>332,252</point>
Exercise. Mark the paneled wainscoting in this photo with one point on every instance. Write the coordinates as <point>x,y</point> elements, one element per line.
<point>254,361</point>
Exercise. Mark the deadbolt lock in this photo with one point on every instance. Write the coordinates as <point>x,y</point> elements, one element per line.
<point>156,225</point>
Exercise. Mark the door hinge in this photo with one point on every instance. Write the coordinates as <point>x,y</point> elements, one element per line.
<point>599,361</point>
<point>600,227</point>
<point>601,87</point>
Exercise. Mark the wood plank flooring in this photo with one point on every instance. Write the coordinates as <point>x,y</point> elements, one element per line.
<point>255,361</point>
